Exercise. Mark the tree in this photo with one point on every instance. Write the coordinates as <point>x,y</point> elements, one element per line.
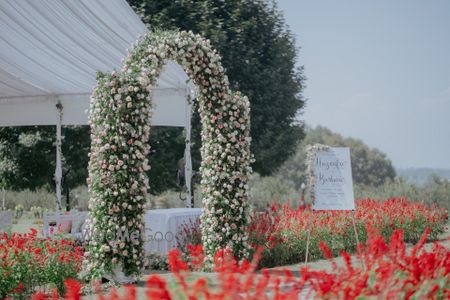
<point>370,166</point>
<point>259,54</point>
<point>8,168</point>
<point>33,150</point>
<point>162,175</point>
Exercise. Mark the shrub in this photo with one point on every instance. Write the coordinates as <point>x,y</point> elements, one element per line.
<point>157,261</point>
<point>189,234</point>
<point>436,192</point>
<point>37,212</point>
<point>282,231</point>
<point>18,211</point>
<point>41,197</point>
<point>28,263</point>
<point>263,191</point>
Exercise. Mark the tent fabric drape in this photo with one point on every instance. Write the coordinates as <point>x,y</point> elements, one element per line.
<point>50,51</point>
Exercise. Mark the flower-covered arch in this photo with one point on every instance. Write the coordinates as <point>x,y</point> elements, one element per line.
<point>120,113</point>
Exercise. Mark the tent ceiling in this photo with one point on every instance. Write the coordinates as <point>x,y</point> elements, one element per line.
<point>51,50</point>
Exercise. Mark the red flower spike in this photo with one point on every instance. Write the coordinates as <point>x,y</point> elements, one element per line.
<point>55,295</point>
<point>200,287</point>
<point>347,261</point>
<point>156,288</point>
<point>130,292</point>
<point>325,250</point>
<point>421,242</point>
<point>39,296</point>
<point>196,256</point>
<point>73,288</point>
<point>176,264</point>
<point>113,294</point>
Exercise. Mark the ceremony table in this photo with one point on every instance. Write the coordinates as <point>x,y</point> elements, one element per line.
<point>162,226</point>
<point>6,218</point>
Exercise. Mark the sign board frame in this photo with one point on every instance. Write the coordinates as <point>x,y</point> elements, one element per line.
<point>333,188</point>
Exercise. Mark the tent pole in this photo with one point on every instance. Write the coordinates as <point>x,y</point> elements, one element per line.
<point>58,170</point>
<point>187,154</point>
<point>3,198</point>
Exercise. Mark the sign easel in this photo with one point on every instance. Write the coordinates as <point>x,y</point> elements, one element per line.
<point>332,187</point>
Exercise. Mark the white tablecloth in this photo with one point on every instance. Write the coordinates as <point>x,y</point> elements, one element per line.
<point>163,225</point>
<point>6,218</point>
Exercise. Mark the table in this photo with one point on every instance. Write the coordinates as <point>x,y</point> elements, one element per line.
<point>6,218</point>
<point>162,227</point>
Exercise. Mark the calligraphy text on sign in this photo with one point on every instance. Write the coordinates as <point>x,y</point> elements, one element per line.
<point>334,185</point>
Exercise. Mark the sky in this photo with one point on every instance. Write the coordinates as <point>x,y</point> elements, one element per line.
<point>378,71</point>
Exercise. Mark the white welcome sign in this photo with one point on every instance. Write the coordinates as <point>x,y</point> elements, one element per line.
<point>333,180</point>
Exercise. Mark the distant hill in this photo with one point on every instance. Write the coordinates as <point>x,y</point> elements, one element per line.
<point>422,176</point>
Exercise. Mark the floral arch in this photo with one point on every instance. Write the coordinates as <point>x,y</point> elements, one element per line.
<point>120,113</point>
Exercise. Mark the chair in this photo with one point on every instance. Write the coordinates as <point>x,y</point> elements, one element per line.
<point>57,223</point>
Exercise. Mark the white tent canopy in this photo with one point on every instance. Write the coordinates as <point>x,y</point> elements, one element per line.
<point>50,51</point>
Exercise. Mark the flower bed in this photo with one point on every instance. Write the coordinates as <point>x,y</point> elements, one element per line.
<point>282,232</point>
<point>28,263</point>
<point>389,272</point>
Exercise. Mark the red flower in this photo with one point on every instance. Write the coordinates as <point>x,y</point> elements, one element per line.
<point>326,251</point>
<point>73,289</point>
<point>130,291</point>
<point>39,296</point>
<point>176,264</point>
<point>156,288</point>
